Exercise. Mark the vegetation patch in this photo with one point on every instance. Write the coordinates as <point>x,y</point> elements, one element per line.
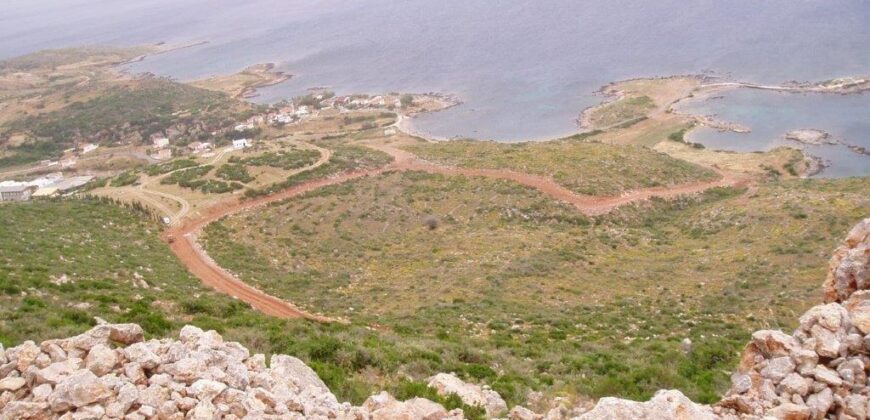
<point>234,172</point>
<point>583,167</point>
<point>283,159</point>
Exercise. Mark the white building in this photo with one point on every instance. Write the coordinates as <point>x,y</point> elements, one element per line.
<point>163,154</point>
<point>199,147</point>
<point>161,142</point>
<point>302,111</point>
<point>67,163</point>
<point>241,143</point>
<point>89,147</point>
<point>16,193</point>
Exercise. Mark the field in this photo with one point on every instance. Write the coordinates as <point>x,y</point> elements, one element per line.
<point>583,167</point>
<point>508,287</point>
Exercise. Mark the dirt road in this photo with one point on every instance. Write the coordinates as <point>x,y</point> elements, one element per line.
<point>589,205</point>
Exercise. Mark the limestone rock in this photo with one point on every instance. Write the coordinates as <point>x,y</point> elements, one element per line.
<point>668,404</point>
<point>849,270</point>
<point>470,394</point>
<point>78,390</point>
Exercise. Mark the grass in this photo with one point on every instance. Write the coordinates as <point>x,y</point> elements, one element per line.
<point>283,159</point>
<point>583,167</point>
<point>63,262</point>
<point>623,111</point>
<point>234,172</point>
<point>345,157</point>
<point>520,292</point>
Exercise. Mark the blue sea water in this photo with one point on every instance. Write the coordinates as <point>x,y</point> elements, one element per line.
<point>524,68</point>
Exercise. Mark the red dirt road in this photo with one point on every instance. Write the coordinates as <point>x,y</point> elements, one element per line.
<point>183,238</point>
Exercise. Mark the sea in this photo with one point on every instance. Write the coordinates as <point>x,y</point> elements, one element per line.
<point>524,69</point>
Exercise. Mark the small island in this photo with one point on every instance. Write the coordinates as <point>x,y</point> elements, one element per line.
<point>810,136</point>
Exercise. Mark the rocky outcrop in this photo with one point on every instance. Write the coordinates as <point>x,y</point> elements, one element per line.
<point>810,136</point>
<point>112,372</point>
<point>819,371</point>
<point>470,394</point>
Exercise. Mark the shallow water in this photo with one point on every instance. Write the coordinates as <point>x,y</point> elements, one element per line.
<point>524,68</point>
<point>770,115</point>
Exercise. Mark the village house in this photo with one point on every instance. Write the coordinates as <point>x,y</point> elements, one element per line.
<point>16,193</point>
<point>162,154</point>
<point>244,127</point>
<point>161,142</point>
<point>302,111</point>
<point>44,192</point>
<point>199,147</point>
<point>241,143</point>
<point>88,147</point>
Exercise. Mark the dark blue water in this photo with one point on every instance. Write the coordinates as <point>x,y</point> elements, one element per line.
<point>524,68</point>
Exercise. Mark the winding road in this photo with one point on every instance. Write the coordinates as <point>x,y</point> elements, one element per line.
<point>183,236</point>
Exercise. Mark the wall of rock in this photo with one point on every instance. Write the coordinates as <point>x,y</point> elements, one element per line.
<point>819,371</point>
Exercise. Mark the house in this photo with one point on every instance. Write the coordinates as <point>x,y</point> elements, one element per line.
<point>302,111</point>
<point>70,184</point>
<point>161,142</point>
<point>244,127</point>
<point>88,147</point>
<point>67,163</point>
<point>162,154</point>
<point>284,118</point>
<point>44,192</point>
<point>390,132</point>
<point>199,147</point>
<point>16,193</point>
<point>241,143</point>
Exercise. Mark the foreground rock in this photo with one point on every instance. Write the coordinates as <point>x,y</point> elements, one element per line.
<point>819,371</point>
<point>111,372</point>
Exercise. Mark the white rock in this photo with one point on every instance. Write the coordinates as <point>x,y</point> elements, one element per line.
<point>669,404</point>
<point>471,394</point>
<point>78,390</point>
<point>101,360</point>
<point>206,390</point>
<point>11,384</point>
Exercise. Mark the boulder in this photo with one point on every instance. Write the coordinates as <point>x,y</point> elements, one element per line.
<point>78,390</point>
<point>849,269</point>
<point>670,404</point>
<point>470,394</point>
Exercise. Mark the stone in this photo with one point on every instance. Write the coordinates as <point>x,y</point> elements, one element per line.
<point>669,404</point>
<point>795,384</point>
<point>790,411</point>
<point>827,344</point>
<point>470,394</point>
<point>24,355</point>
<point>849,269</point>
<point>16,410</point>
<point>778,368</point>
<point>286,368</point>
<point>56,372</point>
<point>142,354</point>
<point>831,316</point>
<point>521,413</point>
<point>78,390</point>
<point>821,402</point>
<point>773,343</point>
<point>206,390</point>
<point>828,376</point>
<point>101,360</point>
<point>11,384</point>
<point>413,409</point>
<point>855,405</point>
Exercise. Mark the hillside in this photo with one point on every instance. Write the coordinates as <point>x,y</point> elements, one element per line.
<point>112,371</point>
